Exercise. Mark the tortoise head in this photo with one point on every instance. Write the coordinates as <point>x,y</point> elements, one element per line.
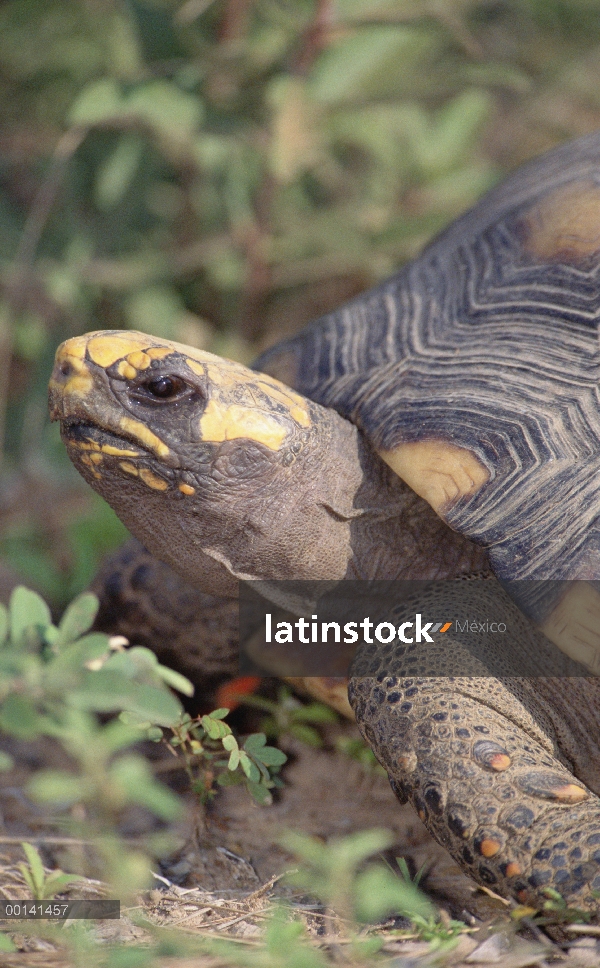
<point>222,472</point>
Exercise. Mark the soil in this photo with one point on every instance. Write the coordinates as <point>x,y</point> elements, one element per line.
<point>224,878</point>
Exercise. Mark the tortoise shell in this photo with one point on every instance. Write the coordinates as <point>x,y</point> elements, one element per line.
<point>474,371</point>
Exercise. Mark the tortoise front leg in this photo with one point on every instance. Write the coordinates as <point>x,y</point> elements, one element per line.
<point>491,786</point>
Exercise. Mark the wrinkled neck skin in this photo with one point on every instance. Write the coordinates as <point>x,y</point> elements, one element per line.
<point>331,511</point>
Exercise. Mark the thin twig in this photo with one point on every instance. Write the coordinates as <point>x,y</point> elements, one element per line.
<point>592,929</point>
<point>45,198</point>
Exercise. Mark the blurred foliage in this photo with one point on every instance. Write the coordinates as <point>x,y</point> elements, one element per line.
<point>222,171</point>
<point>288,716</point>
<point>59,683</point>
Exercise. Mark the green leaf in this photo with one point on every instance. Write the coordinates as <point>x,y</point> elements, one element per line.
<point>271,756</point>
<point>26,609</point>
<point>75,655</point>
<point>255,742</point>
<point>137,662</point>
<point>78,618</point>
<point>306,734</point>
<point>230,779</point>
<point>19,717</point>
<point>230,743</point>
<point>118,171</point>
<point>380,893</point>
<point>6,944</point>
<point>106,691</point>
<point>348,852</point>
<point>440,144</point>
<point>316,712</point>
<point>134,775</point>
<point>120,733</point>
<point>220,713</point>
<point>369,63</point>
<point>57,881</point>
<point>166,107</point>
<point>176,681</point>
<point>234,759</point>
<point>250,769</point>
<point>3,625</point>
<point>6,761</point>
<point>260,793</point>
<point>57,787</point>
<point>215,728</point>
<point>34,874</point>
<point>97,102</point>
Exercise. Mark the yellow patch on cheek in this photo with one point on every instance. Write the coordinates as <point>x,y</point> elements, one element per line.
<point>144,435</point>
<point>439,472</point>
<point>87,459</point>
<point>79,386</point>
<point>152,480</point>
<point>83,445</point>
<point>219,423</point>
<point>129,468</point>
<point>187,489</point>
<point>118,451</point>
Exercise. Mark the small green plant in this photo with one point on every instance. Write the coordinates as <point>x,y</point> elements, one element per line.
<point>6,944</point>
<point>61,681</point>
<point>440,930</point>
<point>405,873</point>
<point>288,716</point>
<point>43,886</point>
<point>285,944</point>
<point>356,749</point>
<point>554,911</point>
<point>336,874</point>
<point>555,905</point>
<point>202,743</point>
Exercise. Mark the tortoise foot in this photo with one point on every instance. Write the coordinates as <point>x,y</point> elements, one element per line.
<point>498,797</point>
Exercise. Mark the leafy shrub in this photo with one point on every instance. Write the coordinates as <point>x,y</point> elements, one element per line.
<point>61,681</point>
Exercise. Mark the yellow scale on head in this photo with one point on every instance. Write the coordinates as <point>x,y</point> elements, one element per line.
<point>80,382</point>
<point>223,420</point>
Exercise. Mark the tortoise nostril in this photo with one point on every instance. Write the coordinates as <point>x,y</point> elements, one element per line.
<point>66,368</point>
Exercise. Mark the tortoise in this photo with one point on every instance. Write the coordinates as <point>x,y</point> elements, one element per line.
<point>463,392</point>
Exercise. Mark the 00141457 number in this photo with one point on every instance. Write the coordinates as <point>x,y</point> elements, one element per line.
<point>60,910</point>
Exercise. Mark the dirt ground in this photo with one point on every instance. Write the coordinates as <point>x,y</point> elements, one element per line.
<point>223,879</point>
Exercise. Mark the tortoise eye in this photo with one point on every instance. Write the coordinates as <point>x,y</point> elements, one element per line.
<point>165,387</point>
